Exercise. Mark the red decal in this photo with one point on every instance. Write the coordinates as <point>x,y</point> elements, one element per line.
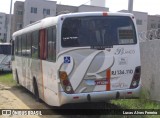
<point>101,82</point>
<point>108,76</point>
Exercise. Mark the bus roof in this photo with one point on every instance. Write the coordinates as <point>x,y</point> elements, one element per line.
<point>50,21</point>
<point>97,13</point>
<point>47,22</point>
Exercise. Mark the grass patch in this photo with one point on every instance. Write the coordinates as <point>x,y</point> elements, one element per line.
<point>138,104</point>
<point>7,79</point>
<point>142,103</point>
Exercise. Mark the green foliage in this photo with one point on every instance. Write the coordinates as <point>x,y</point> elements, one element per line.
<point>7,79</point>
<point>142,103</point>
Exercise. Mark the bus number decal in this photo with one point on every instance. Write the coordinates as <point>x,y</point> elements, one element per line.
<point>122,72</point>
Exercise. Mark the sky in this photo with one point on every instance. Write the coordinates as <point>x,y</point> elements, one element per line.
<point>150,6</point>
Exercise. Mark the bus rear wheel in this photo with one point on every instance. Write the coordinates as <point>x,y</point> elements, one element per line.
<point>36,92</point>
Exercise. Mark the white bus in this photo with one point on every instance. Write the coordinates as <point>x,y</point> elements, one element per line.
<point>5,57</point>
<point>79,57</point>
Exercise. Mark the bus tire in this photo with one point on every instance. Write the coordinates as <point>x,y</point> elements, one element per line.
<point>17,78</point>
<point>36,92</point>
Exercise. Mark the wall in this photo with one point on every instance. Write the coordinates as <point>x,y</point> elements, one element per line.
<point>40,5</point>
<point>153,22</point>
<point>88,8</point>
<point>141,16</point>
<point>3,30</point>
<point>17,22</point>
<point>100,3</point>
<point>65,8</point>
<point>150,60</point>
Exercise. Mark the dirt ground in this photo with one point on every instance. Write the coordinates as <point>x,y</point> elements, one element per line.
<point>17,97</point>
<point>13,98</point>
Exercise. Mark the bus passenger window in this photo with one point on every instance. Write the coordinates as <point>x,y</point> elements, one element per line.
<point>19,45</point>
<point>35,44</point>
<point>24,45</point>
<point>28,51</point>
<point>15,46</point>
<point>51,49</point>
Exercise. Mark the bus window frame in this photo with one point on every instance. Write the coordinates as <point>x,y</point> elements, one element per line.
<point>134,32</point>
<point>19,46</point>
<point>54,29</point>
<point>30,47</point>
<point>24,38</point>
<point>38,56</point>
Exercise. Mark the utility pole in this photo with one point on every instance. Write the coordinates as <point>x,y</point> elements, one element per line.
<point>9,24</point>
<point>130,6</point>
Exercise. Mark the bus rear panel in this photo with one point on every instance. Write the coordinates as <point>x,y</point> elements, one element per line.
<point>99,58</point>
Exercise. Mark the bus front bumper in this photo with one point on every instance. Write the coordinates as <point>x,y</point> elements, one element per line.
<point>99,96</point>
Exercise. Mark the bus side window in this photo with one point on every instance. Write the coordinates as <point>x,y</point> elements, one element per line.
<point>42,44</point>
<point>35,44</point>
<point>19,45</point>
<point>12,49</point>
<point>15,45</point>
<point>51,45</point>
<point>28,50</point>
<point>24,43</point>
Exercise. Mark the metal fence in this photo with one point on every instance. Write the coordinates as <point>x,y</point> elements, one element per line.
<point>149,35</point>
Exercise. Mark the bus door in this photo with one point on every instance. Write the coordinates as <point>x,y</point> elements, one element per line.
<point>43,54</point>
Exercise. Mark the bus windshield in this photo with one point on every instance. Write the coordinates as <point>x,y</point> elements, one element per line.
<point>5,49</point>
<point>98,31</point>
